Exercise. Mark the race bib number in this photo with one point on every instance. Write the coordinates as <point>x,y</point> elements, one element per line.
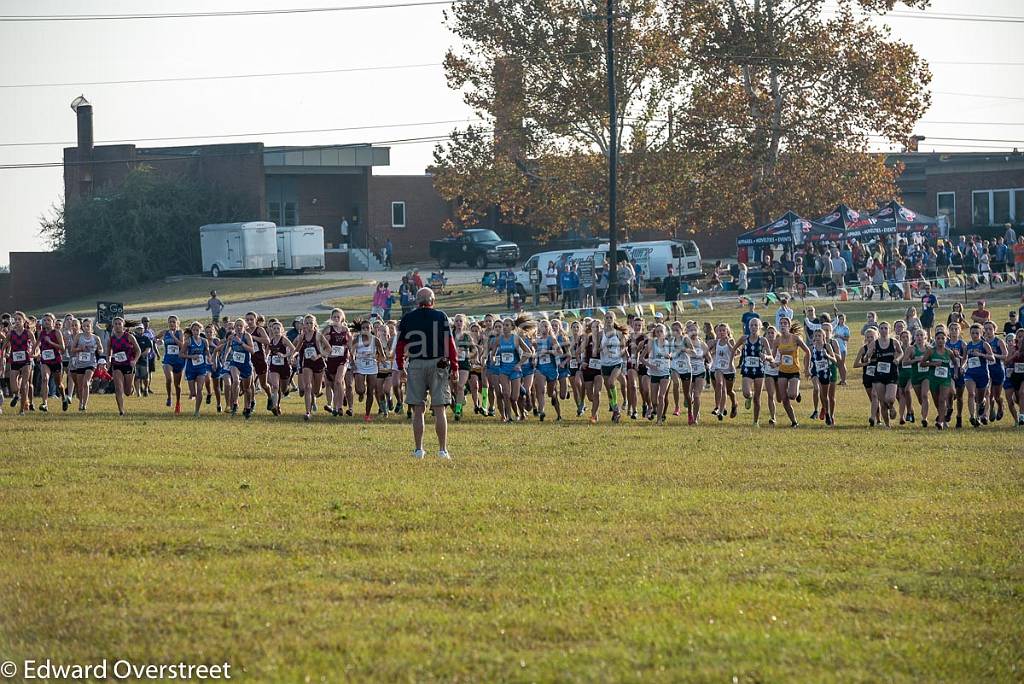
<point>198,360</point>
<point>884,366</point>
<point>869,371</point>
<point>821,366</point>
<point>595,364</point>
<point>787,360</point>
<point>1018,368</point>
<point>751,362</point>
<point>508,357</point>
<point>120,357</point>
<point>85,357</point>
<point>545,360</point>
<point>309,352</point>
<point>463,355</point>
<point>238,357</point>
<point>18,356</point>
<point>277,360</point>
<point>942,372</point>
<point>573,363</point>
<point>48,355</point>
<point>659,366</point>
<point>921,368</point>
<point>337,350</point>
<point>172,350</point>
<point>974,362</point>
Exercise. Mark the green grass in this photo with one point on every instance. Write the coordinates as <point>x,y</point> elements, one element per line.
<point>543,552</point>
<point>194,291</point>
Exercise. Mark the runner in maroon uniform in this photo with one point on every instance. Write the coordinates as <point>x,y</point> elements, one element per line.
<point>51,354</point>
<point>313,350</point>
<point>260,341</point>
<point>124,353</point>
<point>338,337</point>
<point>20,346</point>
<point>280,354</point>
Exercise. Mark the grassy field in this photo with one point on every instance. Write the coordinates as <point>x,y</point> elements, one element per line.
<point>543,552</point>
<point>194,291</point>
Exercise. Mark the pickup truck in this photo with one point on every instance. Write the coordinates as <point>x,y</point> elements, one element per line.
<point>475,247</point>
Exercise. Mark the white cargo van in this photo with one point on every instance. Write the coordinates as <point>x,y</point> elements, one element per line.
<point>563,256</point>
<point>300,248</point>
<point>654,256</point>
<point>238,247</point>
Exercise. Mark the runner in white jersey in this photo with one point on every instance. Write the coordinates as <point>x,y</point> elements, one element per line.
<point>680,366</point>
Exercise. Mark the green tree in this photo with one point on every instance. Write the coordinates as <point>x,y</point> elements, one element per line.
<point>146,228</point>
<point>731,110</point>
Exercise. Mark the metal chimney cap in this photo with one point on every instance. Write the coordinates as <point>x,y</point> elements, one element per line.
<point>78,102</point>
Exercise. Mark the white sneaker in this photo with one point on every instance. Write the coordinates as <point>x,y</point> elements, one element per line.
<point>444,455</point>
<point>418,453</point>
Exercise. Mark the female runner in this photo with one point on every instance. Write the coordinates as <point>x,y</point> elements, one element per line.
<point>562,362</point>
<point>173,341</point>
<point>905,382</point>
<point>52,355</point>
<point>20,346</point>
<point>699,355</point>
<point>658,361</point>
<point>492,391</point>
<point>771,370</point>
<point>591,363</point>
<point>680,369</point>
<point>575,365</point>
<point>86,350</point>
<point>636,372</point>
<point>787,348</point>
<point>280,350</point>
<point>255,326</point>
<point>548,352</point>
<point>475,380</point>
<point>240,347</point>
<point>753,359</point>
<point>613,346</point>
<point>864,361</point>
<point>196,352</point>
<point>978,356</point>
<point>959,348</point>
<point>367,352</point>
<point>313,352</point>
<point>940,362</point>
<point>722,352</point>
<point>465,347</point>
<point>1015,365</point>
<point>338,338</point>
<point>996,371</point>
<point>820,364</point>
<point>124,354</point>
<point>918,355</point>
<point>885,354</point>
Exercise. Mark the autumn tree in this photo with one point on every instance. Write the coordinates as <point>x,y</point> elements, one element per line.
<point>730,110</point>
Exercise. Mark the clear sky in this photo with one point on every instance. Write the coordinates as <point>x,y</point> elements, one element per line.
<point>71,52</point>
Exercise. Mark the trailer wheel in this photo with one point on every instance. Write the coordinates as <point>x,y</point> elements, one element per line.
<point>215,271</point>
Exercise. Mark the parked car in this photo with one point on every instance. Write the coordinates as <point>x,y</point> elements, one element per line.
<point>476,247</point>
<point>654,256</point>
<point>238,247</point>
<point>561,257</point>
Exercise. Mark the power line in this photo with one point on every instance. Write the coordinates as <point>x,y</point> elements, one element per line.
<point>224,77</point>
<point>991,97</point>
<point>244,135</point>
<point>974,123</point>
<point>225,13</point>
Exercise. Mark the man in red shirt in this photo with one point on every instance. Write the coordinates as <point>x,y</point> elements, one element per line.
<point>1018,256</point>
<point>981,314</point>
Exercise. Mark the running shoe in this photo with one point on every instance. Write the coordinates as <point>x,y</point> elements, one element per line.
<point>270,404</point>
<point>794,424</point>
<point>676,412</point>
<point>367,418</point>
<point>418,453</point>
<point>444,455</point>
<point>1020,420</point>
<point>579,410</point>
<point>814,414</point>
<point>168,402</point>
<point>540,415</point>
<point>999,413</point>
<point>747,402</point>
<point>690,419</point>
<point>959,422</point>
<point>822,415</point>
<point>306,418</point>
<point>924,422</point>
<point>720,416</point>
<point>64,404</point>
<point>911,417</point>
<point>974,422</point>
<point>593,420</point>
<point>42,407</point>
<point>14,401</point>
<point>771,421</point>
<point>732,413</point>
<point>177,408</point>
<point>209,397</point>
<point>984,419</point>
<point>798,397</point>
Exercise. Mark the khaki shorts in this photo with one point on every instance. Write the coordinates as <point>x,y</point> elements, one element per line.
<point>424,376</point>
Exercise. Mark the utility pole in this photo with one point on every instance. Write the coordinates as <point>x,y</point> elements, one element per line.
<point>611,294</point>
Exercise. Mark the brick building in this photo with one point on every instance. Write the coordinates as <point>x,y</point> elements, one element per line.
<point>978,192</point>
<point>318,185</point>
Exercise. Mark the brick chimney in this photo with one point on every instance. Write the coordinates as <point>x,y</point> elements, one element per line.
<point>83,112</point>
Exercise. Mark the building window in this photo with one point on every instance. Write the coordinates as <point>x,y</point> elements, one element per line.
<point>274,212</point>
<point>947,207</point>
<point>996,207</point>
<point>291,214</point>
<point>398,214</point>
